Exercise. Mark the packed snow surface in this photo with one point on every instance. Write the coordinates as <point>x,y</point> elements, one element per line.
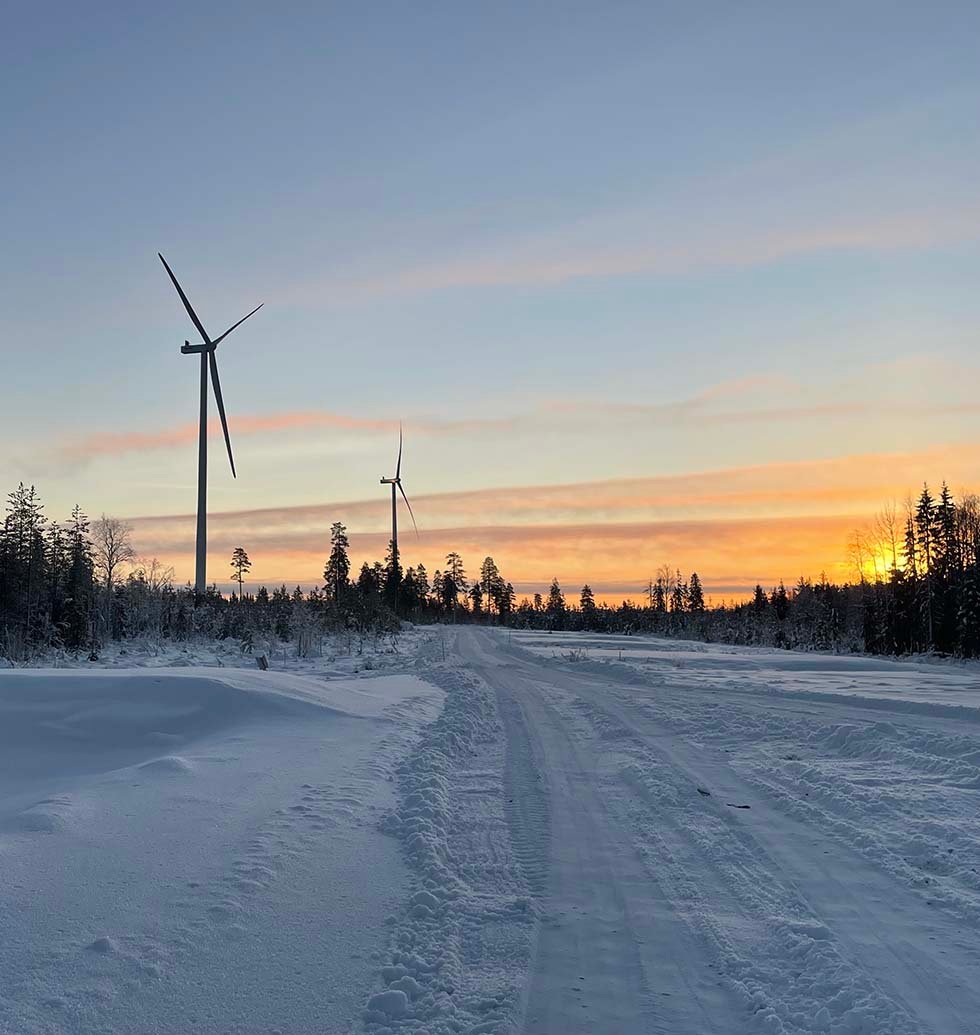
<point>479,831</point>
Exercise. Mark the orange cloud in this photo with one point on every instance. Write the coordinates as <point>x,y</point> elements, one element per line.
<point>114,443</point>
<point>614,558</point>
<point>735,527</point>
<point>117,443</point>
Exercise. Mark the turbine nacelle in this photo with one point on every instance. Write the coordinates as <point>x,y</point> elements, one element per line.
<point>208,346</point>
<point>397,481</point>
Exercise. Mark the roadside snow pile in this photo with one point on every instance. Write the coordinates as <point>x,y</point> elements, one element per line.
<point>461,946</point>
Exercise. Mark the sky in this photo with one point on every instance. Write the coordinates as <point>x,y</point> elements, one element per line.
<point>646,283</point>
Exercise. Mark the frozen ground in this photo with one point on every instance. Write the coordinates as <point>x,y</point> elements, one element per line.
<point>498,833</point>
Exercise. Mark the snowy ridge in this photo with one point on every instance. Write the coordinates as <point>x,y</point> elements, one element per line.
<point>171,839</point>
<point>461,945</point>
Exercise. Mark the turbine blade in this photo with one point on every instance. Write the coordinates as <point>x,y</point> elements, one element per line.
<point>221,337</point>
<point>398,468</point>
<point>221,407</point>
<point>187,305</point>
<point>409,505</point>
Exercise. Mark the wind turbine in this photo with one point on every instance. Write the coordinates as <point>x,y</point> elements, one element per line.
<point>208,361</point>
<point>396,482</point>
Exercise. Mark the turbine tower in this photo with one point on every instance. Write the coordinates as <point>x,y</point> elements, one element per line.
<point>208,362</point>
<point>396,482</point>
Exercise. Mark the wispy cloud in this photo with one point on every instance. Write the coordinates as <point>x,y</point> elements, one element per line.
<point>118,443</point>
<point>654,246</point>
<point>768,521</point>
<point>736,401</point>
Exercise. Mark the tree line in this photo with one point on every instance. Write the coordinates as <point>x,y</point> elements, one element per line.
<point>77,584</point>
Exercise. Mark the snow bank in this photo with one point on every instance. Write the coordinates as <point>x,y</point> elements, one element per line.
<point>184,849</point>
<point>461,945</point>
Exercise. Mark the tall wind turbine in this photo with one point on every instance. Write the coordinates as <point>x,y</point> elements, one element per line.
<point>396,482</point>
<point>208,361</point>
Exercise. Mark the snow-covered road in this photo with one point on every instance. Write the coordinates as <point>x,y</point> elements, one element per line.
<point>714,860</point>
<point>505,833</point>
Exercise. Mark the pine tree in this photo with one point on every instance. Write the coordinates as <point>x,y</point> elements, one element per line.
<point>454,569</point>
<point>491,583</point>
<point>240,566</point>
<point>695,595</point>
<point>507,598</point>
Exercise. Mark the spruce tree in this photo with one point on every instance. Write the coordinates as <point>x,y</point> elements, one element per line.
<point>587,607</point>
<point>336,572</point>
<point>555,608</point>
<point>968,617</point>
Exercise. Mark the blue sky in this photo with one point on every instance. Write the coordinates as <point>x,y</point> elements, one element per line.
<point>524,228</point>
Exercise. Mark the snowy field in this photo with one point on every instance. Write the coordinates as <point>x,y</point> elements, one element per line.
<point>769,671</point>
<point>477,831</point>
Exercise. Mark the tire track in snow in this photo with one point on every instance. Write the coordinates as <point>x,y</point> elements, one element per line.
<point>902,987</point>
<point>527,806</point>
<point>610,955</point>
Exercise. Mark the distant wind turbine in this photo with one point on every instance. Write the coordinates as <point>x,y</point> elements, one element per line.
<point>396,482</point>
<point>208,361</point>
